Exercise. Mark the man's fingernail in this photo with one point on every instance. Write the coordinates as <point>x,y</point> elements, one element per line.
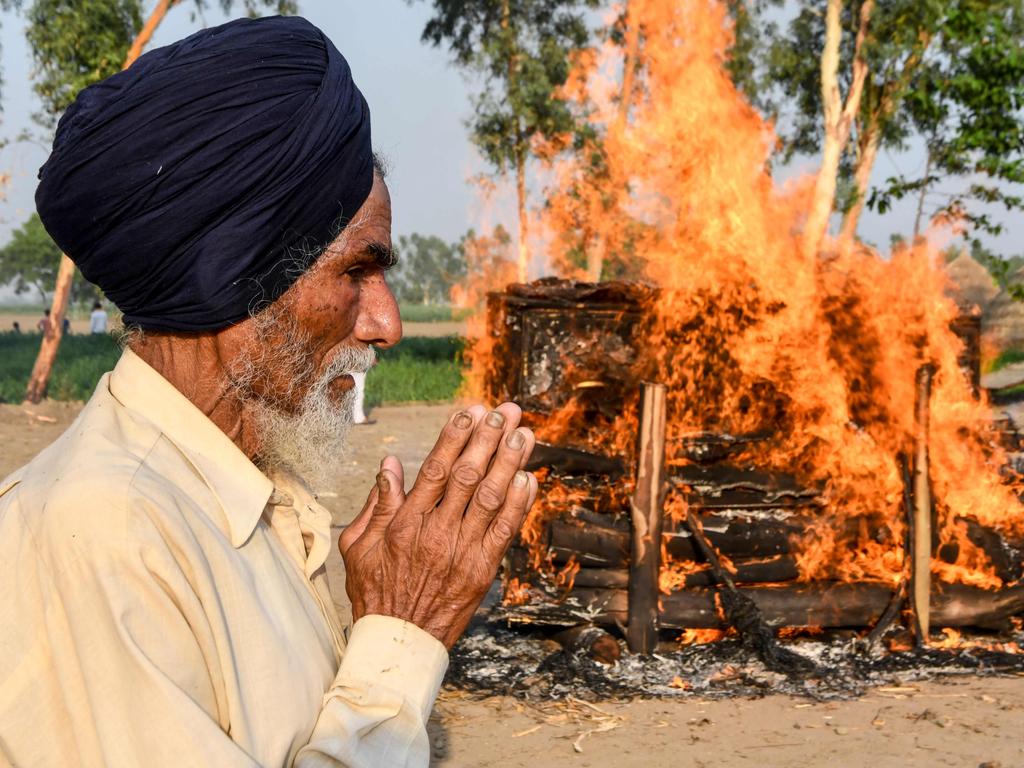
<point>382,483</point>
<point>515,440</point>
<point>463,420</point>
<point>495,419</point>
<point>520,479</point>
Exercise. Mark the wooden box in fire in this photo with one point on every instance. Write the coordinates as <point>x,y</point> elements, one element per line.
<point>627,538</point>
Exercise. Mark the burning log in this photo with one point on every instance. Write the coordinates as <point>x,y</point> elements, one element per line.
<point>737,537</point>
<point>957,605</point>
<point>647,508</point>
<point>921,542</point>
<point>759,571</point>
<point>572,461</point>
<point>752,542</point>
<point>590,641</point>
<point>729,487</point>
<point>814,604</point>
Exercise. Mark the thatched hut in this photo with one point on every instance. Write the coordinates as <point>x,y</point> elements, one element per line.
<point>972,285</point>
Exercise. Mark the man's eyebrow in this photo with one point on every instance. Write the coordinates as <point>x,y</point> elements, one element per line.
<point>382,253</point>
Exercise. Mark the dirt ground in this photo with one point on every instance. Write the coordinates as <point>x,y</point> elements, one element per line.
<point>963,721</point>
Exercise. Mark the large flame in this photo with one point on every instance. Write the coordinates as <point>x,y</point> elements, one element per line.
<point>751,336</point>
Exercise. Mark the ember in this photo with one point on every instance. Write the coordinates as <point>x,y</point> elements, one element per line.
<point>798,435</point>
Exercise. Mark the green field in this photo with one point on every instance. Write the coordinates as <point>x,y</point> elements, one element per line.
<point>433,313</point>
<point>417,370</point>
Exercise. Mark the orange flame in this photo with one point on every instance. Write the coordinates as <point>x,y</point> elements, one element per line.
<point>749,334</point>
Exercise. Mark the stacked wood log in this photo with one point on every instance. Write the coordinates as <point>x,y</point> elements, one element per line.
<point>561,343</point>
<point>757,521</point>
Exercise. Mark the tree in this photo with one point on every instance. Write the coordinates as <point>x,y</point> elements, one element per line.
<point>60,63</point>
<point>520,50</point>
<point>427,269</point>
<point>967,103</point>
<point>948,71</point>
<point>102,30</point>
<point>31,259</point>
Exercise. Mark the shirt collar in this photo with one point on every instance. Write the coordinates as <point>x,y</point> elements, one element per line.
<point>240,487</point>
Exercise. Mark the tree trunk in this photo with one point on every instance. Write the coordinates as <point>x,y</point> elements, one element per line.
<point>921,196</point>
<point>595,255</point>
<point>40,378</point>
<point>146,33</point>
<point>838,119</point>
<point>862,178</point>
<point>524,249</point>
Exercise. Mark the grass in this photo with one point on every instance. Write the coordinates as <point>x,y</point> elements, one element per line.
<point>433,313</point>
<point>417,370</point>
<point>80,363</point>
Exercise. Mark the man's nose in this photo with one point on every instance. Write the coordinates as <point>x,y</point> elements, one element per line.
<point>379,322</point>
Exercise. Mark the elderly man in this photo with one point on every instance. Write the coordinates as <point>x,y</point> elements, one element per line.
<point>163,599</point>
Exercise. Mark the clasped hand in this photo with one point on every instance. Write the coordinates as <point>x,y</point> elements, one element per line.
<point>429,556</point>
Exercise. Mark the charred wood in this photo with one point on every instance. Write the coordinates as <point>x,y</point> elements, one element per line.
<point>711,447</point>
<point>742,612</point>
<point>739,538</point>
<point>572,461</point>
<point>590,641</point>
<point>815,604</point>
<point>730,487</point>
<point>762,571</point>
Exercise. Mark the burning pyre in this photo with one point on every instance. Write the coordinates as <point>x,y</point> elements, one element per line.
<point>790,376</point>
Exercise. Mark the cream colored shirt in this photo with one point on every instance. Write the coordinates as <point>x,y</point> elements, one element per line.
<point>162,604</point>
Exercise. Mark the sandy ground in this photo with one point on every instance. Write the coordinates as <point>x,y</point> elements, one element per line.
<point>28,323</point>
<point>962,721</point>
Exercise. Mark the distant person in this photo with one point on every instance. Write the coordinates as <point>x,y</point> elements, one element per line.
<point>358,414</point>
<point>44,326</point>
<point>16,327</point>
<point>65,326</point>
<point>98,319</point>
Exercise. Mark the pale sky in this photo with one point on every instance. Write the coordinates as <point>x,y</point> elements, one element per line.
<point>419,105</point>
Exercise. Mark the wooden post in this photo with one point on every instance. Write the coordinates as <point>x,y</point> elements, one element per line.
<point>921,549</point>
<point>646,508</point>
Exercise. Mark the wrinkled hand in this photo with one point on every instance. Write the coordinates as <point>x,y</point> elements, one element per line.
<point>429,557</point>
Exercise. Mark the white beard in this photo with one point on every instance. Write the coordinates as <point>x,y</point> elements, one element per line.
<point>312,442</point>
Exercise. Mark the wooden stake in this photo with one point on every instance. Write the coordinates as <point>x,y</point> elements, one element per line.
<point>646,508</point>
<point>921,550</point>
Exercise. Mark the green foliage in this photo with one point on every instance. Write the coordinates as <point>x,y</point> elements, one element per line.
<point>967,101</point>
<point>520,50</point>
<point>948,71</point>
<point>30,261</point>
<point>427,269</point>
<point>75,43</point>
<point>78,42</point>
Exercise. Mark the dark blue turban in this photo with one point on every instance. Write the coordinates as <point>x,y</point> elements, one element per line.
<point>187,186</point>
